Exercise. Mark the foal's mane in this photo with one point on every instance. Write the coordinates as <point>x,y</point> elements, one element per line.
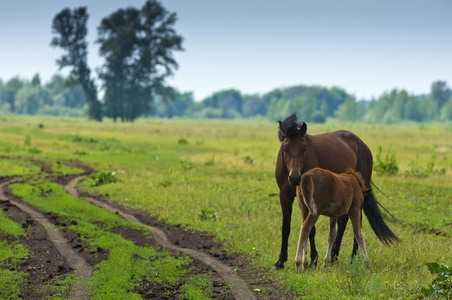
<point>358,177</point>
<point>291,125</point>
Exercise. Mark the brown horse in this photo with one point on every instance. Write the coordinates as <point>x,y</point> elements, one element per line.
<point>335,151</point>
<point>323,192</point>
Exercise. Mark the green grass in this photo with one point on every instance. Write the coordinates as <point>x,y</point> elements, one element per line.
<point>198,287</point>
<point>11,254</point>
<point>224,171</point>
<point>127,264</point>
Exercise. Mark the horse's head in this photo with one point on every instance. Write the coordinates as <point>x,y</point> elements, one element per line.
<point>291,134</point>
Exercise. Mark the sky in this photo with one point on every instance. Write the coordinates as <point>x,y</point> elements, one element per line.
<point>366,47</point>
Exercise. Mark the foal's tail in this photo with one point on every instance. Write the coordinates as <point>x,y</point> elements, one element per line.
<point>373,214</point>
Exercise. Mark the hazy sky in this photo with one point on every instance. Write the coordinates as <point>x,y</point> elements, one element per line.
<point>366,47</point>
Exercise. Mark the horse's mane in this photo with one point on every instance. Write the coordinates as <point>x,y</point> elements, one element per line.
<point>358,177</point>
<point>291,125</point>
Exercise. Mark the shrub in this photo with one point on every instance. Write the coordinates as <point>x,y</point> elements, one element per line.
<point>103,177</point>
<point>419,171</point>
<point>182,141</point>
<point>388,165</point>
<point>441,285</point>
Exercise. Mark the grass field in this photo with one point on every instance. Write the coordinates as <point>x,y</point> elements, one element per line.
<point>218,176</point>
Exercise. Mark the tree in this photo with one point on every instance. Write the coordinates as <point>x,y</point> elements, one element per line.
<point>28,100</point>
<point>446,112</point>
<point>440,93</point>
<point>350,110</point>
<point>229,102</point>
<point>9,91</point>
<point>69,26</point>
<point>138,48</point>
<point>253,106</point>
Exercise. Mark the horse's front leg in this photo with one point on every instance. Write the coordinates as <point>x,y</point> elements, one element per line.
<point>314,254</point>
<point>286,200</point>
<point>341,224</point>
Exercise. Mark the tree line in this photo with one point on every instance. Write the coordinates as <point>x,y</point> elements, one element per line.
<point>312,103</point>
<point>315,104</point>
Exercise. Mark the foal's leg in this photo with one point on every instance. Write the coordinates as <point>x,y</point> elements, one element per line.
<point>356,222</point>
<point>301,259</point>
<point>331,239</point>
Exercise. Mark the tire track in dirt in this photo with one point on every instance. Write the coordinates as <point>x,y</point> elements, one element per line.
<point>75,261</point>
<point>239,288</point>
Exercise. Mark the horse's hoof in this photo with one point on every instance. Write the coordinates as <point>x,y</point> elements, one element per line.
<point>278,266</point>
<point>313,264</point>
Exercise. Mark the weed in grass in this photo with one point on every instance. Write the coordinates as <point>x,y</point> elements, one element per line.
<point>419,171</point>
<point>80,152</point>
<point>79,139</point>
<point>388,164</point>
<point>208,215</point>
<point>103,177</point>
<point>165,183</point>
<point>186,165</point>
<point>12,148</point>
<point>182,141</point>
<point>210,161</point>
<point>34,150</point>
<point>198,287</point>
<point>249,160</point>
<point>442,284</point>
<point>27,141</point>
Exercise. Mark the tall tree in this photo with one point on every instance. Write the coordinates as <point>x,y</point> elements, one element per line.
<point>440,93</point>
<point>9,91</point>
<point>69,27</point>
<point>138,47</point>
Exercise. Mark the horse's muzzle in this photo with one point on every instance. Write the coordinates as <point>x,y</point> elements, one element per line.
<point>295,180</point>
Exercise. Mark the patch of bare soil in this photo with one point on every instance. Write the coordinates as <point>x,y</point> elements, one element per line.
<point>233,275</point>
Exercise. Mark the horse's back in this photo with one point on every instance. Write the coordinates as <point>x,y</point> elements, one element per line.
<point>339,150</point>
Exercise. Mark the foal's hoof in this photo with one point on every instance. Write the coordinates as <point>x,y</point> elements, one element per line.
<point>299,268</point>
<point>278,266</point>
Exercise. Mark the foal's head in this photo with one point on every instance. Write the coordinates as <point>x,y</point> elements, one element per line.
<point>291,134</point>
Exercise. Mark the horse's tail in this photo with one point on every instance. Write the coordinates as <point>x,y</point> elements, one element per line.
<point>373,214</point>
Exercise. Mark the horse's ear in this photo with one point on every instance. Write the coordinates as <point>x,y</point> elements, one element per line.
<point>303,129</point>
<point>282,130</point>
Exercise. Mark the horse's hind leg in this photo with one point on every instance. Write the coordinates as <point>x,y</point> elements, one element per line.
<point>356,222</point>
<point>331,239</point>
<point>355,242</point>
